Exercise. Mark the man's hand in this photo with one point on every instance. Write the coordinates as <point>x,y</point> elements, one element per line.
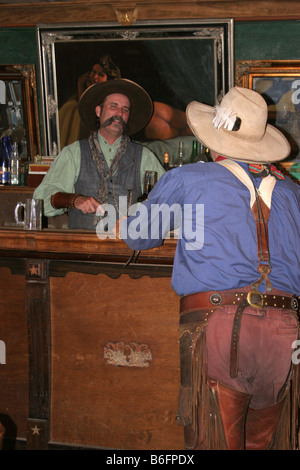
<point>88,205</point>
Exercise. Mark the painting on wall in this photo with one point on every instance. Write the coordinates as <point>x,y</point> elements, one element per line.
<point>176,62</point>
<point>279,83</point>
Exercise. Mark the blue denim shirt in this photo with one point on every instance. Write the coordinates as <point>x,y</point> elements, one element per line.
<point>217,240</point>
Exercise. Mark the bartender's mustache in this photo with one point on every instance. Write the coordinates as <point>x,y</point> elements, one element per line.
<point>110,120</point>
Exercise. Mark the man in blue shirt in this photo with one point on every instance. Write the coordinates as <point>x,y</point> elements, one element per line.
<point>237,272</point>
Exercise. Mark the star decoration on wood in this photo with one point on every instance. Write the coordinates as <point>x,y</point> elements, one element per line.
<point>35,430</point>
<point>34,270</point>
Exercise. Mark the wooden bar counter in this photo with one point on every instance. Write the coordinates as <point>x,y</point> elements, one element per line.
<point>89,344</point>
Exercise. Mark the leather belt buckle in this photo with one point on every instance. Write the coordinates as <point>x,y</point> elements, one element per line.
<point>255,299</point>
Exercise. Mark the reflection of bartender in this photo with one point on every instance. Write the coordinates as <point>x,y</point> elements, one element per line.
<point>71,127</point>
<point>106,165</point>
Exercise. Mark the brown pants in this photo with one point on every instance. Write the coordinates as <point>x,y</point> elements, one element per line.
<point>265,351</point>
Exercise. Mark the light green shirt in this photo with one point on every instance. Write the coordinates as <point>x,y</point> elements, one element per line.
<point>64,171</point>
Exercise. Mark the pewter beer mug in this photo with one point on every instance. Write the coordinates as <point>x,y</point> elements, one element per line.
<point>32,218</point>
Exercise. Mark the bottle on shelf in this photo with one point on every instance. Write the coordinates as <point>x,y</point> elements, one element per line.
<point>4,162</point>
<point>23,155</point>
<point>9,146</point>
<point>150,180</point>
<point>195,151</point>
<point>166,164</point>
<point>10,111</point>
<point>14,165</point>
<point>18,111</point>
<point>208,157</point>
<point>180,159</point>
<point>199,153</point>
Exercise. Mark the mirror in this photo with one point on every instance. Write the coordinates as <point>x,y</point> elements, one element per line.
<point>19,108</point>
<point>176,62</point>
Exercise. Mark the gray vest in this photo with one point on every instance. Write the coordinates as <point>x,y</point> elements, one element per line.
<point>125,181</point>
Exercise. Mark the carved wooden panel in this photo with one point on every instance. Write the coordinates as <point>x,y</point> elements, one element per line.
<point>127,354</point>
<point>115,362</point>
<point>14,371</point>
<point>82,351</point>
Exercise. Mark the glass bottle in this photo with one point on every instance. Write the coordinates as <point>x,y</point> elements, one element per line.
<point>199,153</point>
<point>10,147</point>
<point>208,155</point>
<point>4,162</point>
<point>23,155</point>
<point>195,151</point>
<point>150,180</point>
<point>180,159</point>
<point>19,120</point>
<point>14,164</point>
<point>10,110</point>
<point>166,161</point>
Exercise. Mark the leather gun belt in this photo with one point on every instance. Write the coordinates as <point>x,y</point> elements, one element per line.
<point>212,300</point>
<point>200,306</point>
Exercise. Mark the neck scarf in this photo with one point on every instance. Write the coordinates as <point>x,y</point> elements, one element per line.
<point>99,159</point>
<point>260,170</point>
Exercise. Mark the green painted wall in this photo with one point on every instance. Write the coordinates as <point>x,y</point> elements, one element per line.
<point>18,46</point>
<point>272,40</point>
<point>269,40</point>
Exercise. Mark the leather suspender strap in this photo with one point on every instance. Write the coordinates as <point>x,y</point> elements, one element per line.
<point>261,213</point>
<point>260,203</point>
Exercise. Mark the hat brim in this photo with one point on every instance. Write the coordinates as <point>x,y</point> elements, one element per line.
<point>141,105</point>
<point>271,148</point>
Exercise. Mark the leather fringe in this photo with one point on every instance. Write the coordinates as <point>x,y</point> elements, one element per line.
<point>198,409</point>
<point>287,433</point>
<point>205,405</point>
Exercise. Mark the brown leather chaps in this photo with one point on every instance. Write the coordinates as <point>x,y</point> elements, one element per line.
<point>216,416</point>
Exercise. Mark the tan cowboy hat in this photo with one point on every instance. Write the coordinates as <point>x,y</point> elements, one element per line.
<point>141,105</point>
<point>237,128</point>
